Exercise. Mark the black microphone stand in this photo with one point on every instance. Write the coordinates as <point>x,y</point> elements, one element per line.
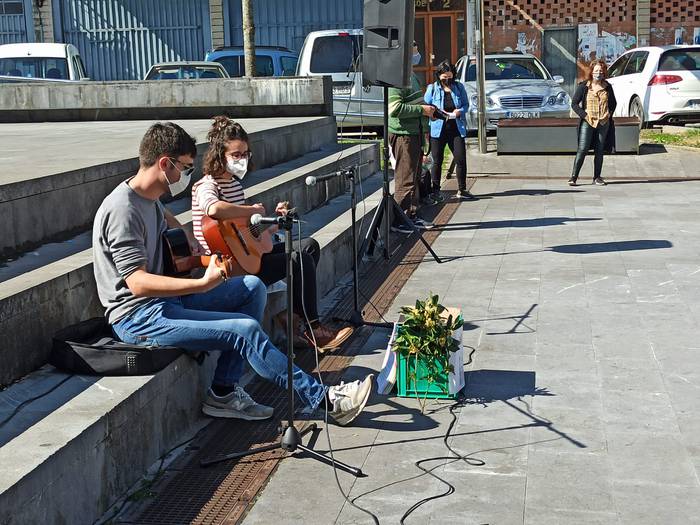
<point>291,437</point>
<point>356,316</point>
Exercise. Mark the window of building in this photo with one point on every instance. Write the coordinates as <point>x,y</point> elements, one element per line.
<point>11,7</point>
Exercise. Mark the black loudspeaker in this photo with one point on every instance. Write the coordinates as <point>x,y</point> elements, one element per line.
<point>388,42</point>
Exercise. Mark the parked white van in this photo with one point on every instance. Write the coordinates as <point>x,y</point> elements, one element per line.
<point>44,61</point>
<point>338,53</point>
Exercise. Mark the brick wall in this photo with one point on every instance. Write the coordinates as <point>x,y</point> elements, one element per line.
<point>519,24</point>
<point>674,19</point>
<point>43,22</point>
<point>216,16</point>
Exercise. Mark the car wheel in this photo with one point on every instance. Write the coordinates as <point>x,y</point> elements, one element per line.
<point>637,110</point>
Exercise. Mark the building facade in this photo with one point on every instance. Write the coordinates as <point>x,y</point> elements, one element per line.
<point>120,39</point>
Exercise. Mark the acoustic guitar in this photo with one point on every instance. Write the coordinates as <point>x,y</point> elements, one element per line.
<point>239,239</point>
<point>178,260</point>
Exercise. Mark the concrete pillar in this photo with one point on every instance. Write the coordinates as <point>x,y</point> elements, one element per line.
<point>643,22</point>
<point>43,21</point>
<point>216,15</point>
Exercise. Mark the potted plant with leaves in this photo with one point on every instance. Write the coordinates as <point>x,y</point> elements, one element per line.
<point>428,345</point>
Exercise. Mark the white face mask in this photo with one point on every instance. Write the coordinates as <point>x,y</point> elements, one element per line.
<point>181,185</point>
<point>597,76</point>
<point>415,60</point>
<point>237,167</point>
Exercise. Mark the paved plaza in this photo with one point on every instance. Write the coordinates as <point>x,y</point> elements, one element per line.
<point>583,399</point>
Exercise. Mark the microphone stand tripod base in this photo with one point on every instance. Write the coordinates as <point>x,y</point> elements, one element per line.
<point>291,437</point>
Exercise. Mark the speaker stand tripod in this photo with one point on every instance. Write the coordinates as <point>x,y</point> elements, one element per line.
<point>291,437</point>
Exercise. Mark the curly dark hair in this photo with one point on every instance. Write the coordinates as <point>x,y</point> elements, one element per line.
<point>222,130</point>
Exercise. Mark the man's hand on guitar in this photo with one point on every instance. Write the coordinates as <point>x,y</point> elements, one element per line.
<point>214,275</point>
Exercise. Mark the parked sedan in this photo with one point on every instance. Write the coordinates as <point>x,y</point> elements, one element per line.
<point>659,85</point>
<point>517,86</point>
<point>186,71</point>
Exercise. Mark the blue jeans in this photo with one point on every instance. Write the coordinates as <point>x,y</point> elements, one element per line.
<point>227,319</point>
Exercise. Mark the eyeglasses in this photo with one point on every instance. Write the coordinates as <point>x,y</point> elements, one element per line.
<point>187,168</point>
<point>238,156</point>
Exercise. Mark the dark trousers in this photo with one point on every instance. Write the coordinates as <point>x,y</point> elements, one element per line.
<point>407,152</point>
<point>586,135</point>
<point>274,268</point>
<point>449,136</point>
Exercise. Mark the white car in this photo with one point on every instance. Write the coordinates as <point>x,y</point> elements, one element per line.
<point>41,61</point>
<point>517,86</point>
<point>337,53</point>
<point>659,85</point>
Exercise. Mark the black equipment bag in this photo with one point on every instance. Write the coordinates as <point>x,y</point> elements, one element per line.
<point>90,348</point>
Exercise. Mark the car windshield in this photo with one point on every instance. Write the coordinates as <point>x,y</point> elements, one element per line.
<point>184,73</point>
<point>35,67</point>
<point>680,60</point>
<point>235,65</point>
<point>335,54</point>
<point>515,68</point>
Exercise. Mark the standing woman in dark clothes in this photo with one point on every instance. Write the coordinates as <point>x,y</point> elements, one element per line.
<point>448,95</point>
<point>594,102</point>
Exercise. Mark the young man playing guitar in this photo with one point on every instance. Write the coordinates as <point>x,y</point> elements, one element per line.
<point>219,195</point>
<point>203,314</point>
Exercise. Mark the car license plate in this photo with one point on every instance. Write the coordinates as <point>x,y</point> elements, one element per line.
<point>342,90</point>
<point>522,114</point>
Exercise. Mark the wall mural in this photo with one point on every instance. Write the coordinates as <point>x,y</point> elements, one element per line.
<point>608,46</point>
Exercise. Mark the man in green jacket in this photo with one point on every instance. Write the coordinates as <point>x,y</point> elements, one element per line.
<point>407,126</point>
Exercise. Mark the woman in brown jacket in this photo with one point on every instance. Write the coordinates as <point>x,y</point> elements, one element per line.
<point>594,102</point>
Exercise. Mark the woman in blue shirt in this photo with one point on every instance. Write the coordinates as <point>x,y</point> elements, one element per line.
<point>448,127</point>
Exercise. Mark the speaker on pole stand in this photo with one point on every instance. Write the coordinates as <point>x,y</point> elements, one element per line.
<point>387,51</point>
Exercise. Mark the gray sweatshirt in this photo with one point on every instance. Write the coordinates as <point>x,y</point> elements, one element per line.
<point>126,235</point>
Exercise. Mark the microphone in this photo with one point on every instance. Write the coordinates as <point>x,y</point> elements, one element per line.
<point>257,219</point>
<point>312,181</point>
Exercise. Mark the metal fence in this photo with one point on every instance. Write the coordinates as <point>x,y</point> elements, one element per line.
<point>287,22</point>
<point>121,40</point>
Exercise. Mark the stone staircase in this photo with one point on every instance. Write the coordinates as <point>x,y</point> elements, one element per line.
<point>70,453</point>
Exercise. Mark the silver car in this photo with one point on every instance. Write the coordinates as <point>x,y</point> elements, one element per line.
<point>517,86</point>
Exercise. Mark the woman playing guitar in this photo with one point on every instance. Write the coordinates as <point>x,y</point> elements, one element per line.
<point>219,195</point>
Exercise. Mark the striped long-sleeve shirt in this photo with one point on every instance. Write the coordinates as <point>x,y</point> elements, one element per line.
<point>206,192</point>
<point>405,111</point>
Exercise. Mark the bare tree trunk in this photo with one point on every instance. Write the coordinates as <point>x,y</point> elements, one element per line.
<point>248,37</point>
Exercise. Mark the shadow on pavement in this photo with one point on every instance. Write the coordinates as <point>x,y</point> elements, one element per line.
<point>517,223</point>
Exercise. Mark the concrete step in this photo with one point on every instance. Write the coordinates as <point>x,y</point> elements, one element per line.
<point>72,453</point>
<point>81,162</point>
<point>43,292</point>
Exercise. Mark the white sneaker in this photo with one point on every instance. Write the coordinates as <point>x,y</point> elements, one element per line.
<point>349,399</point>
<point>238,404</point>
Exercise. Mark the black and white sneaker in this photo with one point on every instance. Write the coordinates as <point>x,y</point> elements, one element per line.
<point>598,181</point>
<point>401,228</point>
<point>422,224</point>
<point>572,181</point>
<point>438,197</point>
<point>464,195</point>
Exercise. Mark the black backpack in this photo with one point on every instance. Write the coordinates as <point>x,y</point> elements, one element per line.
<point>91,348</point>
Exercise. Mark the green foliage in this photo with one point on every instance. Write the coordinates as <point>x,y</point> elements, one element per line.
<point>426,335</point>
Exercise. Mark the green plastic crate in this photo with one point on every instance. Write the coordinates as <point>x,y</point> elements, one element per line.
<point>405,383</point>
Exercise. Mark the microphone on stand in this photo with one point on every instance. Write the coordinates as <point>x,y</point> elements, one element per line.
<point>258,219</point>
<point>312,181</point>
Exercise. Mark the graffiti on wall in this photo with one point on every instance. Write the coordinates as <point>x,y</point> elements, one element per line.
<point>679,35</point>
<point>525,45</point>
<point>608,46</point>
